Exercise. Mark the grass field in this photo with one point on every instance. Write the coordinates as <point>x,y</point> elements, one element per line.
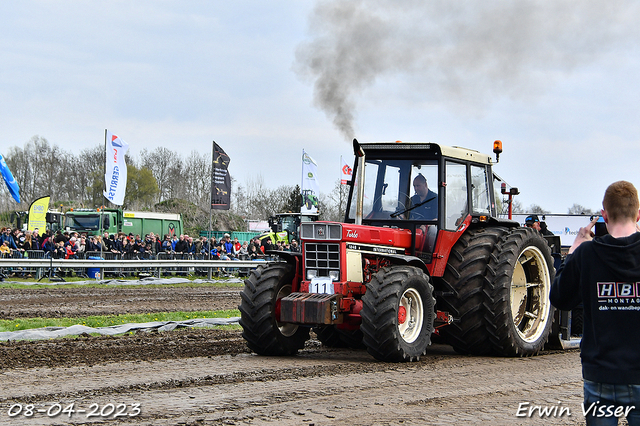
<point>109,320</point>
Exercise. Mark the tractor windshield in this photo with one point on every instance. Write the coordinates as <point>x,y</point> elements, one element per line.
<point>399,189</point>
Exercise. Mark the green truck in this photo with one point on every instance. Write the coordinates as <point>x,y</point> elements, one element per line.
<point>97,222</point>
<point>53,220</point>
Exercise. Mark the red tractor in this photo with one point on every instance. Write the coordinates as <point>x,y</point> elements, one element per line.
<point>403,267</point>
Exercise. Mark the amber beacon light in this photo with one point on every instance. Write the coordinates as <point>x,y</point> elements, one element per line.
<point>497,149</point>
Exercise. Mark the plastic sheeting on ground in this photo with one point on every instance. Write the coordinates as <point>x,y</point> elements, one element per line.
<point>53,332</point>
<point>143,281</point>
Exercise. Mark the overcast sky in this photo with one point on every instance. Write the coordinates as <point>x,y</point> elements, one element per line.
<point>557,82</point>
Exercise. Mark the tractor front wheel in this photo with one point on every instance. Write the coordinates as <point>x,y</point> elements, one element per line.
<point>398,314</point>
<point>264,334</point>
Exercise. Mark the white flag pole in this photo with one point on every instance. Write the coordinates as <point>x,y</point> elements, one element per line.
<point>105,187</point>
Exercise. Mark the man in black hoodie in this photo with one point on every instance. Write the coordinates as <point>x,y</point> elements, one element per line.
<point>604,274</point>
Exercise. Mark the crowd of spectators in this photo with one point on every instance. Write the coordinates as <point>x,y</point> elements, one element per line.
<point>15,243</point>
<point>71,245</point>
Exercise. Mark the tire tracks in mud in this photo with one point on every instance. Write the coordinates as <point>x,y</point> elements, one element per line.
<point>85,301</point>
<point>141,346</point>
<point>319,386</point>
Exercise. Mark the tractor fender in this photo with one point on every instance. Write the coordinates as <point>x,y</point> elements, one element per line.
<point>498,221</point>
<point>287,256</point>
<point>293,259</point>
<point>401,259</point>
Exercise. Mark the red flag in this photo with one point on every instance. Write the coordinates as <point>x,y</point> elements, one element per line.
<point>345,172</point>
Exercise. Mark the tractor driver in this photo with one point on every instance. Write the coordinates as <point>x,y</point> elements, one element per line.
<point>425,202</point>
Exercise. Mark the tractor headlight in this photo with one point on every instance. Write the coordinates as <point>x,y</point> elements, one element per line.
<point>335,275</point>
<point>312,273</point>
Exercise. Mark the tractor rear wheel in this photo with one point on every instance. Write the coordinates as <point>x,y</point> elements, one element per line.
<point>333,337</point>
<point>497,286</point>
<point>264,334</point>
<point>520,311</point>
<point>352,338</point>
<point>398,314</point>
<point>329,336</point>
<point>463,290</point>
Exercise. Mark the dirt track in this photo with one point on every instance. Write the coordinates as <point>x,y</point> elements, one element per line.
<point>59,302</point>
<point>195,377</point>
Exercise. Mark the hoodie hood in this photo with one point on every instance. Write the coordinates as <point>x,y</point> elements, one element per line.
<point>623,252</point>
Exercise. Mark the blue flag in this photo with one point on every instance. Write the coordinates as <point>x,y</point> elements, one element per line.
<point>14,189</point>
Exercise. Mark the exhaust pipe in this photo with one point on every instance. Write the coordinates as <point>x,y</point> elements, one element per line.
<point>359,181</point>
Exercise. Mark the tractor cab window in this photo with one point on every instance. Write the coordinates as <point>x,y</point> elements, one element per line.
<point>398,189</point>
<point>455,208</point>
<point>381,188</point>
<point>289,224</point>
<point>480,188</point>
<point>423,203</point>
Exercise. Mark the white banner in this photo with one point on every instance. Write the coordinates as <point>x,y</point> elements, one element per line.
<point>115,177</point>
<point>345,172</point>
<point>310,185</point>
<point>564,225</point>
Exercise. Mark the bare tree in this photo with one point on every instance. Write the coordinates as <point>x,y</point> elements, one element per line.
<point>239,200</point>
<point>90,175</point>
<point>50,163</point>
<point>258,201</point>
<point>285,198</point>
<point>516,206</point>
<point>38,168</point>
<point>534,208</point>
<point>334,205</point>
<point>578,209</point>
<point>197,179</point>
<point>166,166</point>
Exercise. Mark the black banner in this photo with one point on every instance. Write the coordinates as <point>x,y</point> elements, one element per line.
<point>220,179</point>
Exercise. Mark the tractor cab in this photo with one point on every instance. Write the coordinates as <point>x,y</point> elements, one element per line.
<point>423,187</point>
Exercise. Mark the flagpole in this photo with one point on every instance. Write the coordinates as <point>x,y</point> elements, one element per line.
<point>104,163</point>
<point>340,189</point>
<point>213,155</point>
<point>302,181</point>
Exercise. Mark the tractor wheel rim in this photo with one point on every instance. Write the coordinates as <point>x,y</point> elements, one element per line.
<point>411,302</point>
<point>402,315</point>
<point>286,329</point>
<point>529,294</point>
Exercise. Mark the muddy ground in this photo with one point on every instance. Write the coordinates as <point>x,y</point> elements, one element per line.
<point>208,377</point>
<point>58,302</point>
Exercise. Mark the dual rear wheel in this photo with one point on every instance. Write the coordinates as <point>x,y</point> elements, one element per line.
<point>496,286</point>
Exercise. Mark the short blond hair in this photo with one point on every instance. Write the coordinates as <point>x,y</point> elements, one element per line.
<point>621,201</point>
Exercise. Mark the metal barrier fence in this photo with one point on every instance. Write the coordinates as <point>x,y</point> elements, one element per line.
<point>30,270</point>
<point>100,264</point>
